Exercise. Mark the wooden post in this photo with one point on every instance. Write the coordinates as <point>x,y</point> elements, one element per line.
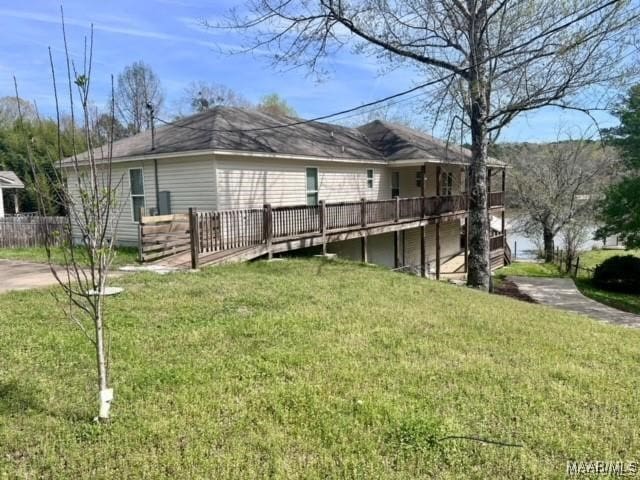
<point>504,179</point>
<point>140,236</point>
<point>193,237</point>
<point>503,229</point>
<point>363,212</point>
<point>466,244</point>
<point>489,180</point>
<point>267,225</point>
<point>438,250</point>
<point>423,187</point>
<point>363,246</point>
<point>16,207</point>
<point>423,252</point>
<point>575,275</point>
<point>438,175</point>
<point>322,213</point>
<point>396,249</point>
<point>397,213</point>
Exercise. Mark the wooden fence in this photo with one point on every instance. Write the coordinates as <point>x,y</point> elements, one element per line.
<point>33,231</point>
<point>163,235</point>
<point>573,268</point>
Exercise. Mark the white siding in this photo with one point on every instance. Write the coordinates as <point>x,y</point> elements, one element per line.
<point>190,181</point>
<point>246,183</point>
<point>449,243</point>
<point>379,248</point>
<point>409,188</point>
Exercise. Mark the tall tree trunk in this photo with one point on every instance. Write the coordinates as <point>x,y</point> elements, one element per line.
<point>479,274</point>
<point>547,236</point>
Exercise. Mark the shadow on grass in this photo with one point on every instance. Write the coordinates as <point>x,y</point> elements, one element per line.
<point>16,398</point>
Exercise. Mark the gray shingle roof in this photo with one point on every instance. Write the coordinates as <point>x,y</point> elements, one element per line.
<point>397,142</point>
<point>195,133</point>
<point>8,179</point>
<point>221,128</point>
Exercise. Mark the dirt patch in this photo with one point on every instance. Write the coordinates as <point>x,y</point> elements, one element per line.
<point>510,289</point>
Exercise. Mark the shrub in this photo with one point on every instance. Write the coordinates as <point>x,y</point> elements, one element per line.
<point>618,274</point>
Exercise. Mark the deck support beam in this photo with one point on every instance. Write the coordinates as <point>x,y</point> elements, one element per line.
<point>423,251</point>
<point>363,245</point>
<point>438,250</point>
<point>466,245</point>
<point>396,249</point>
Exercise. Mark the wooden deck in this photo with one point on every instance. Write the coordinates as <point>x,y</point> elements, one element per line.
<point>213,237</point>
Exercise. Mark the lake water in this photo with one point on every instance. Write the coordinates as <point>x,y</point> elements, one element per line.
<point>526,248</point>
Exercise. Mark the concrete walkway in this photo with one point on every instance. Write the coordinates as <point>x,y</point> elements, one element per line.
<point>18,275</point>
<point>562,293</point>
<point>15,275</point>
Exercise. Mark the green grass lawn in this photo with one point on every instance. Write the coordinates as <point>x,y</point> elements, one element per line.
<point>314,369</point>
<point>124,255</point>
<point>528,269</point>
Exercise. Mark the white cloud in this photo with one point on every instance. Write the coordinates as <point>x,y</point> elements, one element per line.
<point>130,29</point>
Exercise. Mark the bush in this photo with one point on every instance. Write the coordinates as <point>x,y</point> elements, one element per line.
<point>618,274</point>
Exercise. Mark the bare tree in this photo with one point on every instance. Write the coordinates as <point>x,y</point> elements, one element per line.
<point>574,235</point>
<point>138,87</point>
<point>91,200</point>
<point>485,61</point>
<point>10,108</point>
<point>557,186</point>
<point>201,96</point>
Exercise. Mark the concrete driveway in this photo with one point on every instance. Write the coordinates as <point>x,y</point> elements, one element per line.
<point>16,275</point>
<point>562,293</point>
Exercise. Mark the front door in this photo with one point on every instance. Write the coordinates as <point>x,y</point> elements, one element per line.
<point>395,184</point>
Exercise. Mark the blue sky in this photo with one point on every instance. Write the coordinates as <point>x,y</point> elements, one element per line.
<point>167,35</point>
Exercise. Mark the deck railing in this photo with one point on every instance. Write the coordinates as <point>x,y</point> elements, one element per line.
<point>496,199</point>
<point>496,242</point>
<point>215,231</point>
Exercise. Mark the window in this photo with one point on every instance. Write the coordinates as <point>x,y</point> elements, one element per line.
<point>312,186</point>
<point>418,179</point>
<point>369,178</point>
<point>446,184</point>
<point>395,184</point>
<point>136,187</point>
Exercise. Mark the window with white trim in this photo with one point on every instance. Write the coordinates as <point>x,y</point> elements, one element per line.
<point>369,177</point>
<point>136,189</point>
<point>446,184</point>
<point>312,186</point>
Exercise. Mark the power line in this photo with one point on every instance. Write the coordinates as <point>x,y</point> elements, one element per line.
<point>315,119</point>
<point>553,30</point>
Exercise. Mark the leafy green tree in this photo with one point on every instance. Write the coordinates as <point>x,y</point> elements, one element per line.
<point>274,104</point>
<point>620,210</point>
<point>43,140</point>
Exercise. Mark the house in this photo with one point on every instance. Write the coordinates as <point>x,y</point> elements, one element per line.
<point>236,159</point>
<point>9,182</point>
